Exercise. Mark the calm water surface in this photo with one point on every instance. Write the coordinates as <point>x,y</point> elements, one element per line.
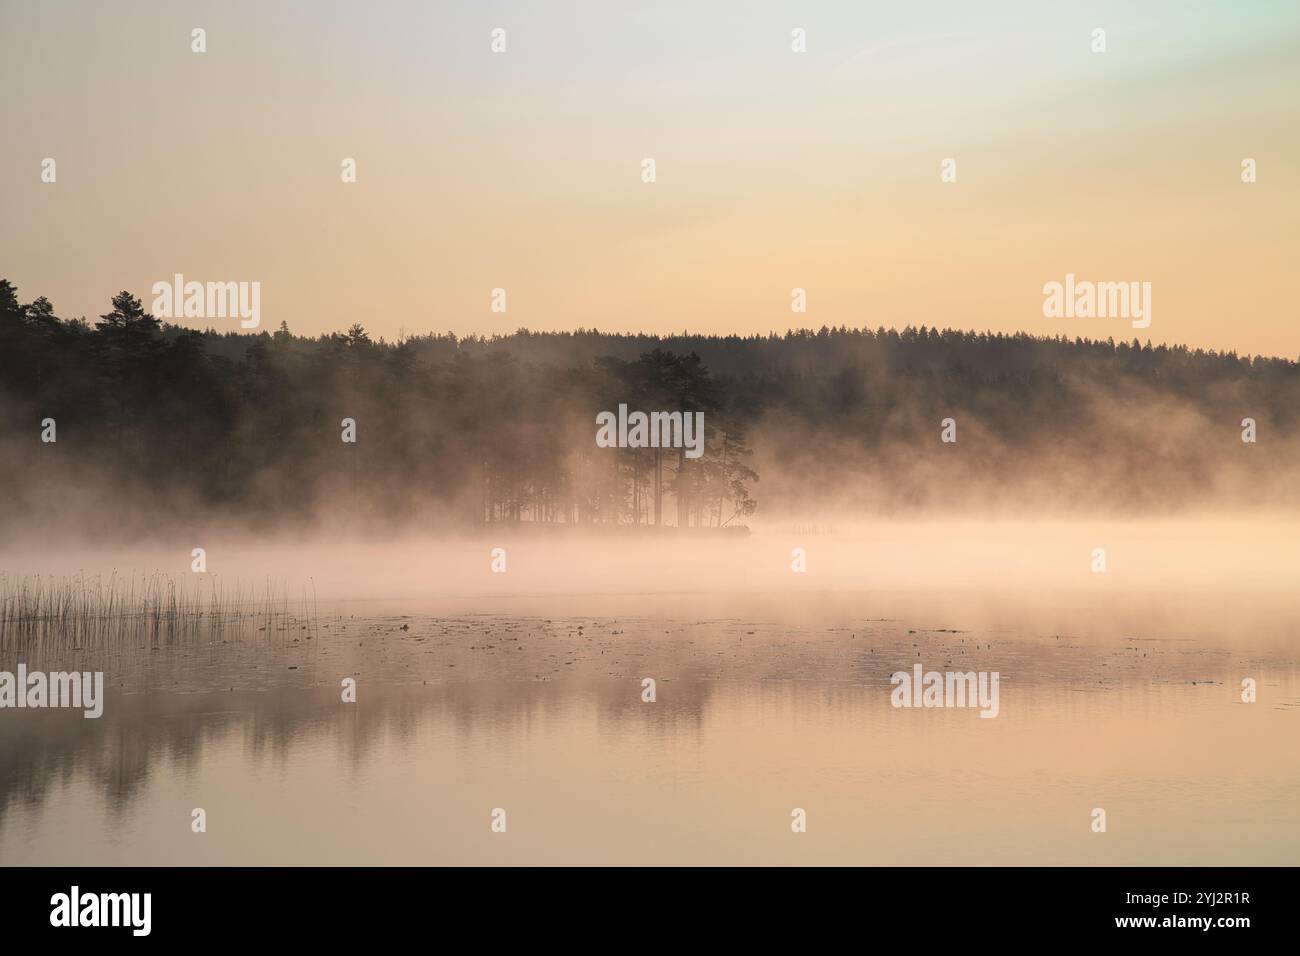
<point>1131,704</point>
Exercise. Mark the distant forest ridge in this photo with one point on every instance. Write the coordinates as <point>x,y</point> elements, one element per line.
<point>476,430</point>
<point>583,343</point>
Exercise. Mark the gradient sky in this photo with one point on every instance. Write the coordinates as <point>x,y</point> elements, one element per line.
<point>522,170</point>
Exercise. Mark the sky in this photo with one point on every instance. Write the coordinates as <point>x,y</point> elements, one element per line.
<point>775,170</point>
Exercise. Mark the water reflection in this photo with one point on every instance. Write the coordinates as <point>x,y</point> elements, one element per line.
<point>543,717</point>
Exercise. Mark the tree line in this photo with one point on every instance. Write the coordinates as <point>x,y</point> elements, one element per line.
<point>481,430</point>
<point>444,430</point>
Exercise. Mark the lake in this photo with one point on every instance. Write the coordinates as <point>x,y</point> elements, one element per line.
<point>766,702</point>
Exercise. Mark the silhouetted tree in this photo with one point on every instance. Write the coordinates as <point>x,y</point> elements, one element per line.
<point>479,429</point>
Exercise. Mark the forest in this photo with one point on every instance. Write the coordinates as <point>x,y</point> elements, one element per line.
<point>464,431</point>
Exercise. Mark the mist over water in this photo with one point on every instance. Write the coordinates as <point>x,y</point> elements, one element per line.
<point>522,690</point>
<point>1215,552</point>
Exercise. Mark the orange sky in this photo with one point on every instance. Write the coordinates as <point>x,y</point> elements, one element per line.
<point>775,169</point>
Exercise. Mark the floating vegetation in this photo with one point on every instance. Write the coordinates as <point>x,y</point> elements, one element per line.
<point>92,611</point>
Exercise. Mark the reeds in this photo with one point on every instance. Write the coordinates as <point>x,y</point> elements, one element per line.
<point>97,611</point>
